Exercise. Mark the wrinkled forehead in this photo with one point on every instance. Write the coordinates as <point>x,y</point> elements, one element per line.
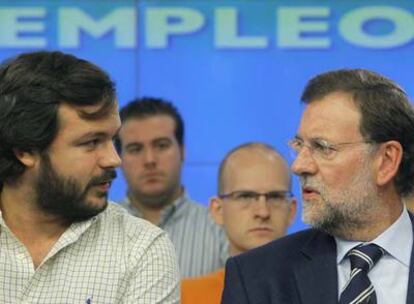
<point>335,116</point>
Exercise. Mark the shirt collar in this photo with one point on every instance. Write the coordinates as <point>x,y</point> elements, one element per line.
<point>397,240</point>
<point>171,211</point>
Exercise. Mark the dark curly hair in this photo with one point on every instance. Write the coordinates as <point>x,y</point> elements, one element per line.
<point>32,86</point>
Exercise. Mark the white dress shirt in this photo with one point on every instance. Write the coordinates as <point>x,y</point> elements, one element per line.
<point>390,275</point>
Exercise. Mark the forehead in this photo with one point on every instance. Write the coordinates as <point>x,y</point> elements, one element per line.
<point>255,170</point>
<point>71,124</point>
<point>148,128</point>
<point>333,117</point>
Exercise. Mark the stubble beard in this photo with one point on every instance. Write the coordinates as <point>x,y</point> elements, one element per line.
<point>343,213</point>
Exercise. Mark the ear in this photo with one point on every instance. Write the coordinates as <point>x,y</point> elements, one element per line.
<point>292,210</point>
<point>389,159</point>
<point>28,159</point>
<point>216,210</point>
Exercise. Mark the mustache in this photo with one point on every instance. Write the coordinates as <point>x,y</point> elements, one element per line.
<point>307,181</point>
<point>106,177</point>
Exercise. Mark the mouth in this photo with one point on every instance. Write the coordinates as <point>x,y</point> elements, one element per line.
<point>308,193</point>
<point>104,185</point>
<point>260,230</point>
<point>151,176</point>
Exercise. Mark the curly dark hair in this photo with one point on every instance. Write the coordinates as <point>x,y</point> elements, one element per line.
<point>32,86</point>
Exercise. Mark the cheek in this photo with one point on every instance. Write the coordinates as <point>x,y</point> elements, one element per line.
<point>172,162</point>
<point>340,174</point>
<point>131,165</point>
<point>280,219</point>
<point>78,168</point>
<point>235,221</point>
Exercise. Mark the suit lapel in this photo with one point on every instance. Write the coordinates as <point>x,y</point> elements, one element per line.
<point>316,275</point>
<point>410,292</point>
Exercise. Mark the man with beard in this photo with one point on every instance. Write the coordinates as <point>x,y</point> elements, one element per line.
<point>60,240</point>
<point>355,148</point>
<point>151,145</point>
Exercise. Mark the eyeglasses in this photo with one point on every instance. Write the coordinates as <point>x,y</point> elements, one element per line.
<point>320,148</point>
<point>247,198</point>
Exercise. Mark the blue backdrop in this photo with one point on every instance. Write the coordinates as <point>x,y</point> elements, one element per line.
<point>235,69</point>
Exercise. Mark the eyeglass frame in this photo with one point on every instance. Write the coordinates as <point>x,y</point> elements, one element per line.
<point>287,197</point>
<point>324,146</point>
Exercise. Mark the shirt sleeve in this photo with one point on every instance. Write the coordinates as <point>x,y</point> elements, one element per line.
<point>155,279</point>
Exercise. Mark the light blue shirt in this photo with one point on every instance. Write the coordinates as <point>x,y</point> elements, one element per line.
<point>201,245</point>
<point>390,275</point>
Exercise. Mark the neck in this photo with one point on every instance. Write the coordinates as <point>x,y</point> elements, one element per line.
<point>35,229</point>
<point>151,207</point>
<point>23,217</point>
<point>376,222</point>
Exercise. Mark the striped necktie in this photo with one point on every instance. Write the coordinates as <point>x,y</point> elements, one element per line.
<point>359,289</point>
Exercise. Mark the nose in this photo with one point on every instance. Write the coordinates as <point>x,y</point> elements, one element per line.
<point>110,159</point>
<point>149,157</point>
<point>304,163</point>
<point>261,208</point>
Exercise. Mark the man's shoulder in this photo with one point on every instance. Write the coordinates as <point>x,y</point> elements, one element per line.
<point>193,205</point>
<point>194,210</point>
<point>117,221</point>
<point>287,248</point>
<point>198,214</point>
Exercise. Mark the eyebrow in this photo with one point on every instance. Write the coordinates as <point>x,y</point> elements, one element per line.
<point>99,134</point>
<point>161,139</point>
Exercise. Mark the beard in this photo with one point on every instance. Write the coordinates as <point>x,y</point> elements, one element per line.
<point>342,212</point>
<point>64,196</point>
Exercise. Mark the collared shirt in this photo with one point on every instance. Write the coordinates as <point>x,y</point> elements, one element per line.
<point>111,258</point>
<point>201,245</point>
<point>390,275</point>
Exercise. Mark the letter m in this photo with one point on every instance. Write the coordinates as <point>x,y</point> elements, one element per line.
<point>74,21</point>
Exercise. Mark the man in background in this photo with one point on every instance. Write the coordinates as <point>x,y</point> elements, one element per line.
<point>355,162</point>
<point>254,205</point>
<point>60,240</point>
<point>151,144</point>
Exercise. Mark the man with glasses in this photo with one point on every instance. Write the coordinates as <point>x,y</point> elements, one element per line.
<point>254,206</point>
<point>355,161</point>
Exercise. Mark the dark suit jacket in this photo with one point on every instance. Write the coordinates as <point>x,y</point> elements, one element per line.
<point>297,269</point>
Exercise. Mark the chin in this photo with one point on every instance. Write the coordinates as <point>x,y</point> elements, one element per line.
<point>97,200</point>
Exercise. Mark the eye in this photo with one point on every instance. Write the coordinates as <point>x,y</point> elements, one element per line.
<point>246,196</point>
<point>134,149</point>
<point>276,196</point>
<point>296,144</point>
<point>91,144</point>
<point>162,145</point>
<point>322,147</point>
